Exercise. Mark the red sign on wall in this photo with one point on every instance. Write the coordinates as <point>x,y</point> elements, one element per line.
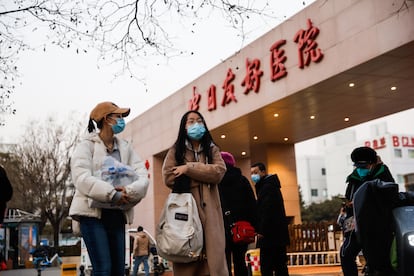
<point>376,143</point>
<point>397,142</point>
<point>307,50</point>
<point>403,141</point>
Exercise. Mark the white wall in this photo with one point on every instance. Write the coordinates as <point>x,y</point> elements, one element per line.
<point>335,150</point>
<point>311,177</point>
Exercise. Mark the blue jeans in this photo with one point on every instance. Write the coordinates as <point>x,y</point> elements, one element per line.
<point>137,261</point>
<point>105,240</point>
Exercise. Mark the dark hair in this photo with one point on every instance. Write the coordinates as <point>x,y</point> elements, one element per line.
<point>260,165</point>
<point>91,125</point>
<point>182,137</point>
<point>140,228</point>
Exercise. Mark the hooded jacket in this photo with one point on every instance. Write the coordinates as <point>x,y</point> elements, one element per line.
<point>86,162</point>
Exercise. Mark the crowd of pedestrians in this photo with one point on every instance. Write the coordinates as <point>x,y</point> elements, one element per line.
<point>222,193</point>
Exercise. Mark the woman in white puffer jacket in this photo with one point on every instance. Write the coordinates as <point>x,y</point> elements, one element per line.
<point>103,229</point>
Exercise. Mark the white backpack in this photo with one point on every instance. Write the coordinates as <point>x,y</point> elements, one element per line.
<point>179,233</point>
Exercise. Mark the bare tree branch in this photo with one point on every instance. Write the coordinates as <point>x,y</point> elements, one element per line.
<point>125,32</point>
<point>40,166</point>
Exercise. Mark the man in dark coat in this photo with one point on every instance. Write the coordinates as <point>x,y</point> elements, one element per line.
<point>238,203</point>
<point>6,192</point>
<point>272,224</point>
<point>368,166</point>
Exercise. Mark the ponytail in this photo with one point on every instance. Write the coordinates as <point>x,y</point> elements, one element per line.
<point>91,126</point>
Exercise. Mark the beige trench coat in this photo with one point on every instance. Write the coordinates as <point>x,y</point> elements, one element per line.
<point>205,178</point>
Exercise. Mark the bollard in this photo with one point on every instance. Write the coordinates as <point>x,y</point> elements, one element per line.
<point>249,265</point>
<point>253,261</point>
<point>68,270</point>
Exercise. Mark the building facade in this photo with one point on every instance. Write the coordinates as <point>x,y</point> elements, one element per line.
<point>328,67</point>
<point>323,176</point>
<point>311,174</point>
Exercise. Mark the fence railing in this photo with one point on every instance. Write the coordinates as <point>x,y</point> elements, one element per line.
<point>314,237</point>
<point>314,258</point>
<point>314,244</point>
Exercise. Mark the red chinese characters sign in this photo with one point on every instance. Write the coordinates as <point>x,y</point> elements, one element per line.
<point>307,47</point>
<point>397,142</point>
<point>376,143</point>
<point>308,52</point>
<point>252,79</point>
<point>228,88</point>
<point>277,61</point>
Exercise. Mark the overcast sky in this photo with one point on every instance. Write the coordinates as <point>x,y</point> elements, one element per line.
<point>58,81</point>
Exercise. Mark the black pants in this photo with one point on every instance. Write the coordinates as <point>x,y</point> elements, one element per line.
<point>273,259</point>
<point>237,251</point>
<point>349,251</point>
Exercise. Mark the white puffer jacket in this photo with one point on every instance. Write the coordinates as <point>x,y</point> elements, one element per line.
<point>86,162</point>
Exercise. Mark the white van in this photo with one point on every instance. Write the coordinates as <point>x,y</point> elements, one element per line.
<point>129,260</point>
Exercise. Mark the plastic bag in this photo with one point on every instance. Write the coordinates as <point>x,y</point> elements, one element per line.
<point>117,174</point>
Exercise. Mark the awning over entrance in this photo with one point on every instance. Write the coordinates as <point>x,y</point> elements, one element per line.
<point>331,101</point>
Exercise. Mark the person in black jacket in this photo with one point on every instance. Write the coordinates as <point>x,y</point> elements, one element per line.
<point>368,166</point>
<point>272,225</point>
<point>6,192</point>
<point>238,203</point>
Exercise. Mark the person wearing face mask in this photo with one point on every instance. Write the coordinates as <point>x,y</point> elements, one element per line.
<point>103,229</point>
<point>367,166</point>
<point>194,163</point>
<point>272,224</point>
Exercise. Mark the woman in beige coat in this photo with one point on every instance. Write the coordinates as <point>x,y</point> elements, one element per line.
<point>195,155</point>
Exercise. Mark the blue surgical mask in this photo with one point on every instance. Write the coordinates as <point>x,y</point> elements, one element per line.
<point>119,126</point>
<point>362,172</point>
<point>196,131</point>
<point>255,178</point>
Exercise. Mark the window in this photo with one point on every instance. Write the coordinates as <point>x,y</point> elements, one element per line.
<point>314,192</point>
<point>398,153</point>
<point>323,170</point>
<point>410,153</point>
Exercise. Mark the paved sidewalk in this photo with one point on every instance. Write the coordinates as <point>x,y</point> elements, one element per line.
<point>293,271</point>
<point>316,270</point>
<point>305,270</point>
